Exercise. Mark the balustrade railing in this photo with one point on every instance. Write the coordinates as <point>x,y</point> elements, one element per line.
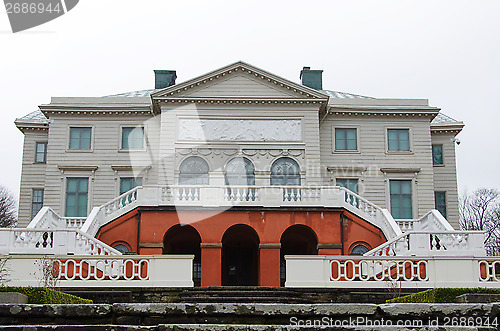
<point>227,196</point>
<point>451,243</point>
<point>101,271</point>
<point>73,222</point>
<point>51,241</point>
<point>391,271</point>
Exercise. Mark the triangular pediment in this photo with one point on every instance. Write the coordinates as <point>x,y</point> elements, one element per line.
<point>239,80</point>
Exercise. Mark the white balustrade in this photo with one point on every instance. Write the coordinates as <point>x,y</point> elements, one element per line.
<point>51,241</point>
<point>433,220</point>
<point>264,196</point>
<point>389,272</point>
<point>406,225</point>
<point>435,243</point>
<point>46,218</point>
<point>74,222</point>
<point>102,271</point>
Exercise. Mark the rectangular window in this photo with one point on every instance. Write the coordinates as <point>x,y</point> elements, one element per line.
<point>398,139</point>
<point>440,202</point>
<point>348,183</point>
<point>437,154</point>
<point>133,138</point>
<point>79,138</point>
<point>36,202</point>
<point>346,140</point>
<point>41,153</point>
<point>128,183</point>
<point>401,202</point>
<point>76,197</point>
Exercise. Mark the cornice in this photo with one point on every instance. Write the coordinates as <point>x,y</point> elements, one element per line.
<point>346,167</point>
<point>385,112</point>
<point>96,109</point>
<point>400,170</point>
<point>454,128</point>
<point>25,126</point>
<point>238,100</point>
<point>77,167</point>
<point>173,93</point>
<point>239,67</point>
<point>129,167</point>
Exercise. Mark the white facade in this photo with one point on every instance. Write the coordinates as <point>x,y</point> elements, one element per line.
<point>238,111</point>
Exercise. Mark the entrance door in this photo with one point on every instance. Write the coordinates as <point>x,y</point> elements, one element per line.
<point>296,240</point>
<point>184,239</point>
<point>240,258</point>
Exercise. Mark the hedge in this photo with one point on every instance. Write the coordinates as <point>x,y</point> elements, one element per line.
<point>43,295</point>
<point>440,295</point>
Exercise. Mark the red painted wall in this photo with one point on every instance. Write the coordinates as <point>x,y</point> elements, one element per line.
<point>330,227</point>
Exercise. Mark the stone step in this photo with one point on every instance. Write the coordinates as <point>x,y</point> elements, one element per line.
<point>242,299</point>
<point>206,315</point>
<point>312,295</point>
<point>229,327</point>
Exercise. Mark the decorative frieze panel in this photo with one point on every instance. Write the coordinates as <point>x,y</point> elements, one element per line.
<point>239,130</point>
<point>228,152</point>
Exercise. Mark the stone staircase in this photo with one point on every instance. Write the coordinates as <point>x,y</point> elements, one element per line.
<point>252,316</point>
<point>233,294</point>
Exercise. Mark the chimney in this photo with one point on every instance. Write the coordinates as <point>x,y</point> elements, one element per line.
<point>164,78</point>
<point>311,78</point>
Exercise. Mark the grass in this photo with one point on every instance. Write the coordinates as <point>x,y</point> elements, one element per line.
<point>43,295</point>
<point>440,295</point>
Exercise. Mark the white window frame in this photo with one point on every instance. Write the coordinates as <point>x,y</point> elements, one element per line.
<point>144,140</point>
<point>342,151</point>
<point>410,140</point>
<point>350,178</point>
<point>68,135</point>
<point>32,201</point>
<point>442,154</point>
<point>414,198</point>
<point>127,177</point>
<point>45,152</point>
<point>89,192</point>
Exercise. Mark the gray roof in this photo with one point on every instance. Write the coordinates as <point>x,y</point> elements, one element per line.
<point>38,116</point>
<point>442,118</point>
<point>34,116</point>
<point>133,94</point>
<point>344,95</point>
<point>146,93</point>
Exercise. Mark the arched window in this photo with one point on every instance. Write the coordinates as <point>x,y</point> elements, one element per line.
<point>240,171</point>
<point>359,250</point>
<point>285,171</point>
<point>193,171</point>
<point>121,248</point>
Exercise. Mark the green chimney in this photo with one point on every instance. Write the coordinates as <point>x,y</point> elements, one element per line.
<point>164,78</point>
<point>312,78</point>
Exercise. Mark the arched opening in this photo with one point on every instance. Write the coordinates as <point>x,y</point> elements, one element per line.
<point>240,171</point>
<point>240,256</point>
<point>184,239</point>
<point>193,171</point>
<point>296,240</point>
<point>240,177</point>
<point>359,249</point>
<point>121,247</point>
<point>285,171</point>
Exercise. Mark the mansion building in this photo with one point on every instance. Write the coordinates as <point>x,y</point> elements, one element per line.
<point>237,166</point>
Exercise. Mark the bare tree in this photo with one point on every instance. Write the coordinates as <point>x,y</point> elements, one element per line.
<point>8,213</point>
<point>480,211</point>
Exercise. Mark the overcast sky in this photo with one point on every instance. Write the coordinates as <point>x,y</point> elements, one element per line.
<point>444,51</point>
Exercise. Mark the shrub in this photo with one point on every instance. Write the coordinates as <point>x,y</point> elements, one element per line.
<point>440,295</point>
<point>43,295</point>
